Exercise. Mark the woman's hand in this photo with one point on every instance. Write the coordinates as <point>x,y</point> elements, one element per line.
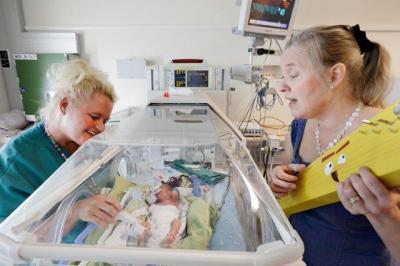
<point>363,193</point>
<point>283,178</point>
<point>99,209</point>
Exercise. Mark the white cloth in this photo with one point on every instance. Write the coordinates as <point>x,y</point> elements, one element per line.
<point>14,119</point>
<point>161,219</point>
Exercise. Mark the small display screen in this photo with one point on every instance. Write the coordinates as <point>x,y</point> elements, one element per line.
<point>180,78</point>
<point>191,78</point>
<point>197,78</point>
<point>271,13</point>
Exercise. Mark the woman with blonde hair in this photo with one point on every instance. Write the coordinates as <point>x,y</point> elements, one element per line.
<point>334,78</point>
<point>81,103</point>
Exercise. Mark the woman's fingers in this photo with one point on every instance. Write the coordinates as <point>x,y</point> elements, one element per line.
<point>117,205</point>
<point>99,209</point>
<point>371,203</point>
<point>284,179</point>
<point>384,200</point>
<point>102,216</point>
<point>342,196</point>
<point>109,205</point>
<point>349,197</point>
<point>375,187</point>
<point>364,193</point>
<point>277,182</point>
<point>295,168</point>
<point>99,222</point>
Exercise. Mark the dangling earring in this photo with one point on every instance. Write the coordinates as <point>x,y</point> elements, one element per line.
<point>332,87</point>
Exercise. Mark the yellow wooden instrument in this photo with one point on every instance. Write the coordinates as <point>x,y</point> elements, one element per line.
<point>375,144</point>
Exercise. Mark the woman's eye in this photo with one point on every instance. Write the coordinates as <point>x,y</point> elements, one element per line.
<point>94,116</point>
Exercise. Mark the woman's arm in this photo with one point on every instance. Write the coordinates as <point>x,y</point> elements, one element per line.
<point>363,193</point>
<point>388,228</point>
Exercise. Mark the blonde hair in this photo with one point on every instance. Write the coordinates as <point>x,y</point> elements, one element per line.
<point>367,71</point>
<point>77,81</point>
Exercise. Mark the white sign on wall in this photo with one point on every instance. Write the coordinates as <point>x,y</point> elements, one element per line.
<point>131,68</point>
<point>25,56</point>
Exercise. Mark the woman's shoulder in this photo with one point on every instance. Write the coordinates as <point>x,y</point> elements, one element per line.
<point>369,111</point>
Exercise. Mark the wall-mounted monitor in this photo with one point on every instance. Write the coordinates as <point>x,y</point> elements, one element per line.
<point>270,18</point>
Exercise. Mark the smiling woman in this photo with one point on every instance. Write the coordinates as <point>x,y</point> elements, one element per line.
<point>81,104</point>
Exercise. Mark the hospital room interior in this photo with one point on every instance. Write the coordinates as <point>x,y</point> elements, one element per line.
<point>199,135</point>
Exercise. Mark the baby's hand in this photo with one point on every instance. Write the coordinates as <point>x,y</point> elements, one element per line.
<point>147,226</point>
<point>169,240</point>
<point>205,189</point>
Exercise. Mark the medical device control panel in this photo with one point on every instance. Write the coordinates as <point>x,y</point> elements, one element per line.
<point>197,76</point>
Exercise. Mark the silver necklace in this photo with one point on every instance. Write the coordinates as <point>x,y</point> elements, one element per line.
<point>92,184</point>
<point>342,132</point>
<point>55,144</point>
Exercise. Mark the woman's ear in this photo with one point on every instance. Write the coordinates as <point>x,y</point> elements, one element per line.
<point>337,74</point>
<point>63,105</point>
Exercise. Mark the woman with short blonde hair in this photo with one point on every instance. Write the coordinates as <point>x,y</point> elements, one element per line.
<point>81,104</point>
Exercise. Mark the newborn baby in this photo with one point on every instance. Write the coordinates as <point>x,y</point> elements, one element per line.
<point>164,220</point>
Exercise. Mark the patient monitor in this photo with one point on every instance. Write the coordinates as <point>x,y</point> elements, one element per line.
<point>267,18</point>
<point>196,76</point>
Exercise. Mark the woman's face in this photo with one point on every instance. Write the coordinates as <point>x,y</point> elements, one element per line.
<point>302,85</point>
<point>81,121</point>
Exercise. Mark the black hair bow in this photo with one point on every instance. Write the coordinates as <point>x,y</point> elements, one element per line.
<point>361,39</point>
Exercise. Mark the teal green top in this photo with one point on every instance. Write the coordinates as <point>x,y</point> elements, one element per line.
<point>26,162</point>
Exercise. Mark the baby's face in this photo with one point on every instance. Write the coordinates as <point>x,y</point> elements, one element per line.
<point>164,193</point>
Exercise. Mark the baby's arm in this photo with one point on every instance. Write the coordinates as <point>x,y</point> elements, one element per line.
<point>172,232</point>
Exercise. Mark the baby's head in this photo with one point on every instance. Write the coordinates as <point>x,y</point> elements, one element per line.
<point>164,193</point>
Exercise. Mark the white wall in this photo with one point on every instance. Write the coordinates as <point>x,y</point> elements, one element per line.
<point>4,106</point>
<point>158,30</point>
<point>11,32</point>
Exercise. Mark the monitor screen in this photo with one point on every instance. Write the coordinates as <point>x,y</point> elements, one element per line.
<point>267,17</point>
<point>191,78</point>
<point>180,78</point>
<point>197,78</point>
<point>271,13</point>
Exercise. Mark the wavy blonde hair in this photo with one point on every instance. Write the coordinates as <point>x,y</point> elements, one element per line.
<point>368,72</point>
<point>76,80</point>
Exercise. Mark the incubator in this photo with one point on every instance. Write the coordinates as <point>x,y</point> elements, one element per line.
<point>220,206</point>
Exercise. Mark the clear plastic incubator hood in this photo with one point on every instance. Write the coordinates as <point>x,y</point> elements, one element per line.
<point>219,210</point>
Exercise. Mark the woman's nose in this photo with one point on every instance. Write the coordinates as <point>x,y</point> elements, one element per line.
<point>100,125</point>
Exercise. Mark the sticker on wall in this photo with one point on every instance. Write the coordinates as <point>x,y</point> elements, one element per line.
<point>5,63</point>
<point>25,56</point>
